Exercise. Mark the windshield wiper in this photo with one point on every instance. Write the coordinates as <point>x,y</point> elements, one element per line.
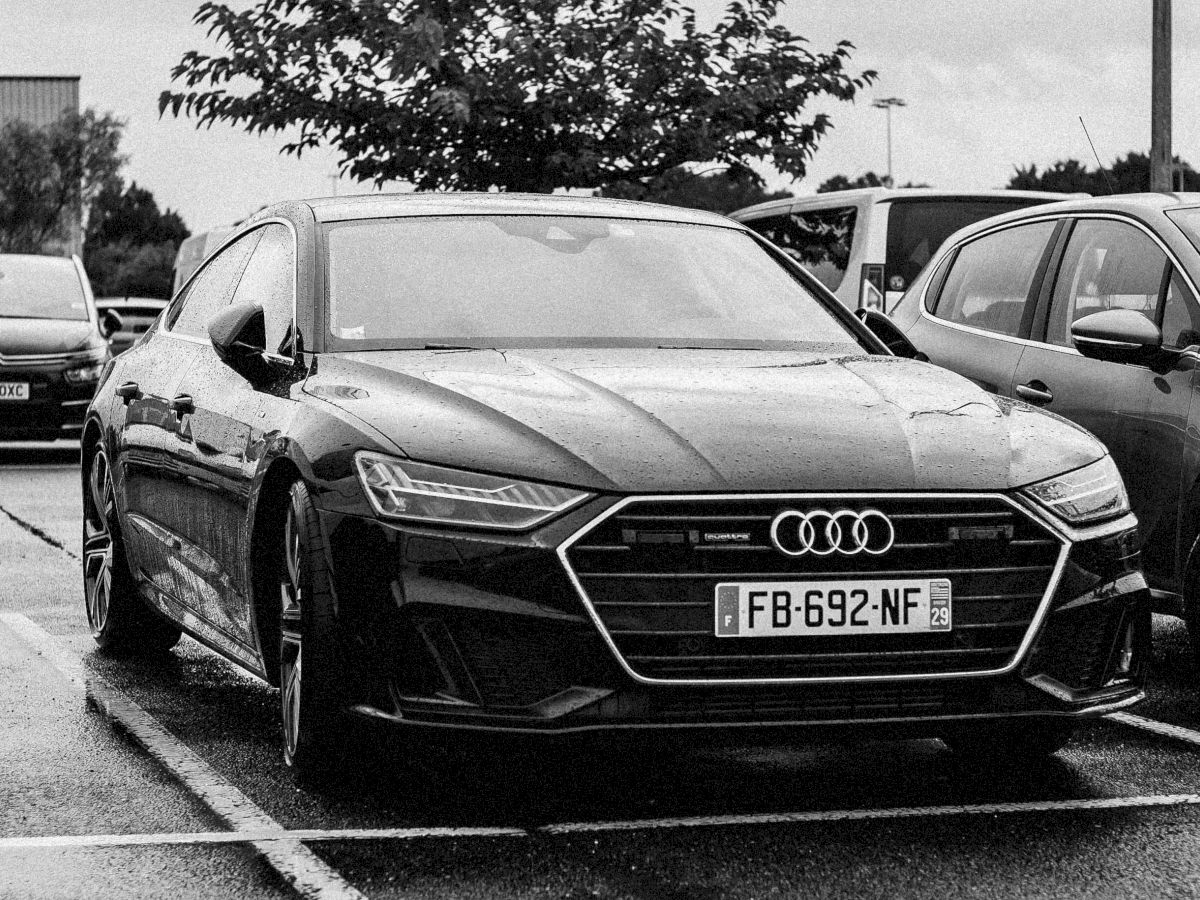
<point>452,347</point>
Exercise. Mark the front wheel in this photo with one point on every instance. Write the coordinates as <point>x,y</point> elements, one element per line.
<point>1008,742</point>
<point>312,694</point>
<point>119,620</point>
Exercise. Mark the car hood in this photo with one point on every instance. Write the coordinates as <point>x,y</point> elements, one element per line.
<point>29,337</point>
<point>700,420</point>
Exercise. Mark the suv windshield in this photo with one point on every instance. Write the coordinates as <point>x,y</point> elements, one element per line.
<point>554,281</point>
<point>40,287</point>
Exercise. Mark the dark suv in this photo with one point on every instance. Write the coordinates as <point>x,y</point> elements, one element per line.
<point>1088,308</point>
<point>52,346</point>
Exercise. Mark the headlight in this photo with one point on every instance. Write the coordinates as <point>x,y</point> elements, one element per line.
<point>1085,495</point>
<point>80,374</point>
<point>402,489</point>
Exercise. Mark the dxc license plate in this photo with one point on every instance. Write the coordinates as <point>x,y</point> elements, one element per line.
<point>14,390</point>
<point>811,608</point>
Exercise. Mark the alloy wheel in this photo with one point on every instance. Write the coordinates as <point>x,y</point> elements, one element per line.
<point>291,595</point>
<point>98,543</point>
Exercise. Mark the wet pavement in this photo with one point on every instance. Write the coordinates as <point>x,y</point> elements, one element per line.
<point>91,804</point>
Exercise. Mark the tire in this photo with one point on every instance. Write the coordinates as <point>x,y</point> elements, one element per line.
<point>313,697</point>
<point>1191,602</point>
<point>121,622</point>
<point>1026,740</point>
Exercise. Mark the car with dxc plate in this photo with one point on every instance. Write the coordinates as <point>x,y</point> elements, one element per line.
<point>551,465</point>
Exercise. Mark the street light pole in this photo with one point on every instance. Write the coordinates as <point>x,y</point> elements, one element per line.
<point>886,104</point>
<point>1161,168</point>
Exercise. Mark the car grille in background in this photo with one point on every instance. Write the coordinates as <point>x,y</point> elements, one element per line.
<point>650,574</point>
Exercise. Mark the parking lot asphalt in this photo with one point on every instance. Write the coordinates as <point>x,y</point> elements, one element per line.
<point>130,778</point>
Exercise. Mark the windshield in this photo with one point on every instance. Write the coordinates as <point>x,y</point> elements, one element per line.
<point>1188,221</point>
<point>916,228</point>
<point>553,281</point>
<point>40,287</point>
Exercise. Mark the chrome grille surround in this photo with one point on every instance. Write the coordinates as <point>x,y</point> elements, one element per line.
<point>1059,532</point>
<point>52,359</point>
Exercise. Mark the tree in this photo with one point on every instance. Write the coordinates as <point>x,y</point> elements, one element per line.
<point>49,175</point>
<point>132,270</point>
<point>131,244</point>
<point>720,192</point>
<point>866,180</point>
<point>517,94</point>
<point>1129,174</point>
<point>132,215</point>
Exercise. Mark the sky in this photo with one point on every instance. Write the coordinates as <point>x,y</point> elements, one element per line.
<point>990,84</point>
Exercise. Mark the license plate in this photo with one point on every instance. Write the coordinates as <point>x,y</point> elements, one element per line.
<point>813,608</point>
<point>14,390</point>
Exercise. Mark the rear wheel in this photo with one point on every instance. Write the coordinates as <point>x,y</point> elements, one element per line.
<point>120,621</point>
<point>312,693</point>
<point>1018,741</point>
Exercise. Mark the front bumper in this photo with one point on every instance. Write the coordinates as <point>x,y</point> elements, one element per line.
<point>491,632</point>
<point>56,408</point>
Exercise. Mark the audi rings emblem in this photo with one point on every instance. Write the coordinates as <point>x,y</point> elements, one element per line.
<point>822,532</point>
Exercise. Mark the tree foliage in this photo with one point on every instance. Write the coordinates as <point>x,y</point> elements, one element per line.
<point>518,94</point>
<point>50,174</point>
<point>131,215</point>
<point>1129,174</point>
<point>865,180</point>
<point>720,192</point>
<point>131,243</point>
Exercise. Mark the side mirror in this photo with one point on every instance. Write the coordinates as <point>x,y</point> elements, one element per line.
<point>1117,335</point>
<point>110,323</point>
<point>885,329</point>
<point>239,338</point>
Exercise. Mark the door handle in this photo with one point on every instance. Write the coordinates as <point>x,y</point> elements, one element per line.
<point>128,391</point>
<point>1035,392</point>
<point>183,404</point>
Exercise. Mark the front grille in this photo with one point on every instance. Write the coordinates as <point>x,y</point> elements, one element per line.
<point>650,573</point>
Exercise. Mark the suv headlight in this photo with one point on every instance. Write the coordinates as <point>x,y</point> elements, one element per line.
<point>402,489</point>
<point>1085,495</point>
<point>81,374</point>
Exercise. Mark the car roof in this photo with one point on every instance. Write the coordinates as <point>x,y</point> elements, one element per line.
<point>1142,206</point>
<point>887,195</point>
<point>380,206</point>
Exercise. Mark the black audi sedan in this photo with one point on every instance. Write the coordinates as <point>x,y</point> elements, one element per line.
<point>549,464</point>
<point>52,346</point>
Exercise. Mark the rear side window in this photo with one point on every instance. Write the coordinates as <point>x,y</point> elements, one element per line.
<point>1107,265</point>
<point>988,284</point>
<point>212,289</point>
<point>818,239</point>
<point>916,228</point>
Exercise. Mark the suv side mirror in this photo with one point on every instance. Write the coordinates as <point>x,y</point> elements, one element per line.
<point>885,329</point>
<point>1117,335</point>
<point>110,323</point>
<point>239,337</point>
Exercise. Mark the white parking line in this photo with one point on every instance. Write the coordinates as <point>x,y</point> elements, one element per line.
<point>1177,732</point>
<point>895,812</point>
<point>299,866</point>
<point>243,837</point>
<point>313,878</point>
<point>258,836</point>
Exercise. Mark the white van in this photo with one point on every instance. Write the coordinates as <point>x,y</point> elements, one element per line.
<point>882,237</point>
<point>195,250</point>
